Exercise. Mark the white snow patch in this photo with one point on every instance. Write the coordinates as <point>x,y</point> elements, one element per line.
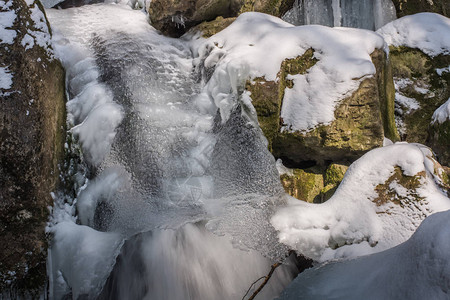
<point>442,114</point>
<point>408,104</point>
<point>27,42</point>
<point>335,228</point>
<point>417,269</point>
<point>5,78</point>
<point>7,19</point>
<point>428,32</point>
<point>282,169</point>
<point>256,44</point>
<point>441,71</point>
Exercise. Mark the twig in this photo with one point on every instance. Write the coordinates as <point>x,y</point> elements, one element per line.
<point>267,277</point>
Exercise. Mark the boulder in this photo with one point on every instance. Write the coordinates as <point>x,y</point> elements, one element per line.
<point>420,90</point>
<point>32,120</point>
<point>409,7</point>
<point>174,17</point>
<point>361,120</point>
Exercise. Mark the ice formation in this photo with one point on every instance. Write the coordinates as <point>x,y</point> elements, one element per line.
<point>366,14</point>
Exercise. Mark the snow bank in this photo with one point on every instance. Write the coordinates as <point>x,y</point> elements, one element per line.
<point>350,224</point>
<point>256,44</point>
<point>417,269</point>
<point>428,32</point>
<point>442,114</point>
<point>5,78</point>
<point>82,257</point>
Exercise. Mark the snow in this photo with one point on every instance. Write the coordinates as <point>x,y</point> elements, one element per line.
<point>27,42</point>
<point>82,256</point>
<point>408,104</point>
<point>240,52</point>
<point>417,269</point>
<point>5,78</point>
<point>7,19</point>
<point>428,32</point>
<point>442,114</point>
<point>441,71</point>
<point>350,224</point>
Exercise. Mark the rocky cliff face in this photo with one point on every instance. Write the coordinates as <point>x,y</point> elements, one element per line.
<point>31,144</point>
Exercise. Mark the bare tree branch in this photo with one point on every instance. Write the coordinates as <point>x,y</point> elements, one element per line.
<point>267,277</point>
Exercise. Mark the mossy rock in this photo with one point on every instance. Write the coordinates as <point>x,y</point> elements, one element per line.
<point>361,120</point>
<point>410,185</point>
<point>210,28</point>
<point>272,7</point>
<point>32,134</point>
<point>410,7</point>
<point>303,184</point>
<point>429,89</point>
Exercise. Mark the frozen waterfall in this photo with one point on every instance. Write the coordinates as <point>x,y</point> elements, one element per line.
<point>366,14</point>
<point>168,201</point>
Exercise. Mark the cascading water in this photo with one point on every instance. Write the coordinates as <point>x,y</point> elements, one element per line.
<point>160,171</point>
<point>366,14</point>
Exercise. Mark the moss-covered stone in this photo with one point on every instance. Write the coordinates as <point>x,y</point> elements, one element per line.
<point>439,141</point>
<point>32,121</point>
<point>410,184</point>
<point>210,28</point>
<point>303,184</point>
<point>420,81</point>
<point>410,7</point>
<point>272,7</point>
<point>334,174</point>
<point>361,120</point>
<point>174,17</point>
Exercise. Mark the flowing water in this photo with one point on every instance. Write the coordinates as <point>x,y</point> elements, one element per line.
<point>169,201</point>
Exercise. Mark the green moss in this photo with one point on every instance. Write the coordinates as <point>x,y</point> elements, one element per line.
<point>209,29</point>
<point>303,184</point>
<point>410,183</point>
<point>334,174</point>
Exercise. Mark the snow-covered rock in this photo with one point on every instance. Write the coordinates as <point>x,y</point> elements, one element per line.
<point>304,82</point>
<point>417,269</point>
<point>383,198</point>
<point>420,56</point>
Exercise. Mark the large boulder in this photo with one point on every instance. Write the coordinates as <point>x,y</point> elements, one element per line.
<point>174,17</point>
<point>362,120</point>
<point>32,119</point>
<point>420,59</point>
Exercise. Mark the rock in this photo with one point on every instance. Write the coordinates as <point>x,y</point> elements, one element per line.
<point>409,7</point>
<point>312,184</point>
<point>420,90</point>
<point>439,141</point>
<point>174,17</point>
<point>272,7</point>
<point>32,120</point>
<point>210,28</point>
<point>303,184</point>
<point>361,120</point>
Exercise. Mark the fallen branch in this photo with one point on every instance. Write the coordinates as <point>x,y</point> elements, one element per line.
<point>267,277</point>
